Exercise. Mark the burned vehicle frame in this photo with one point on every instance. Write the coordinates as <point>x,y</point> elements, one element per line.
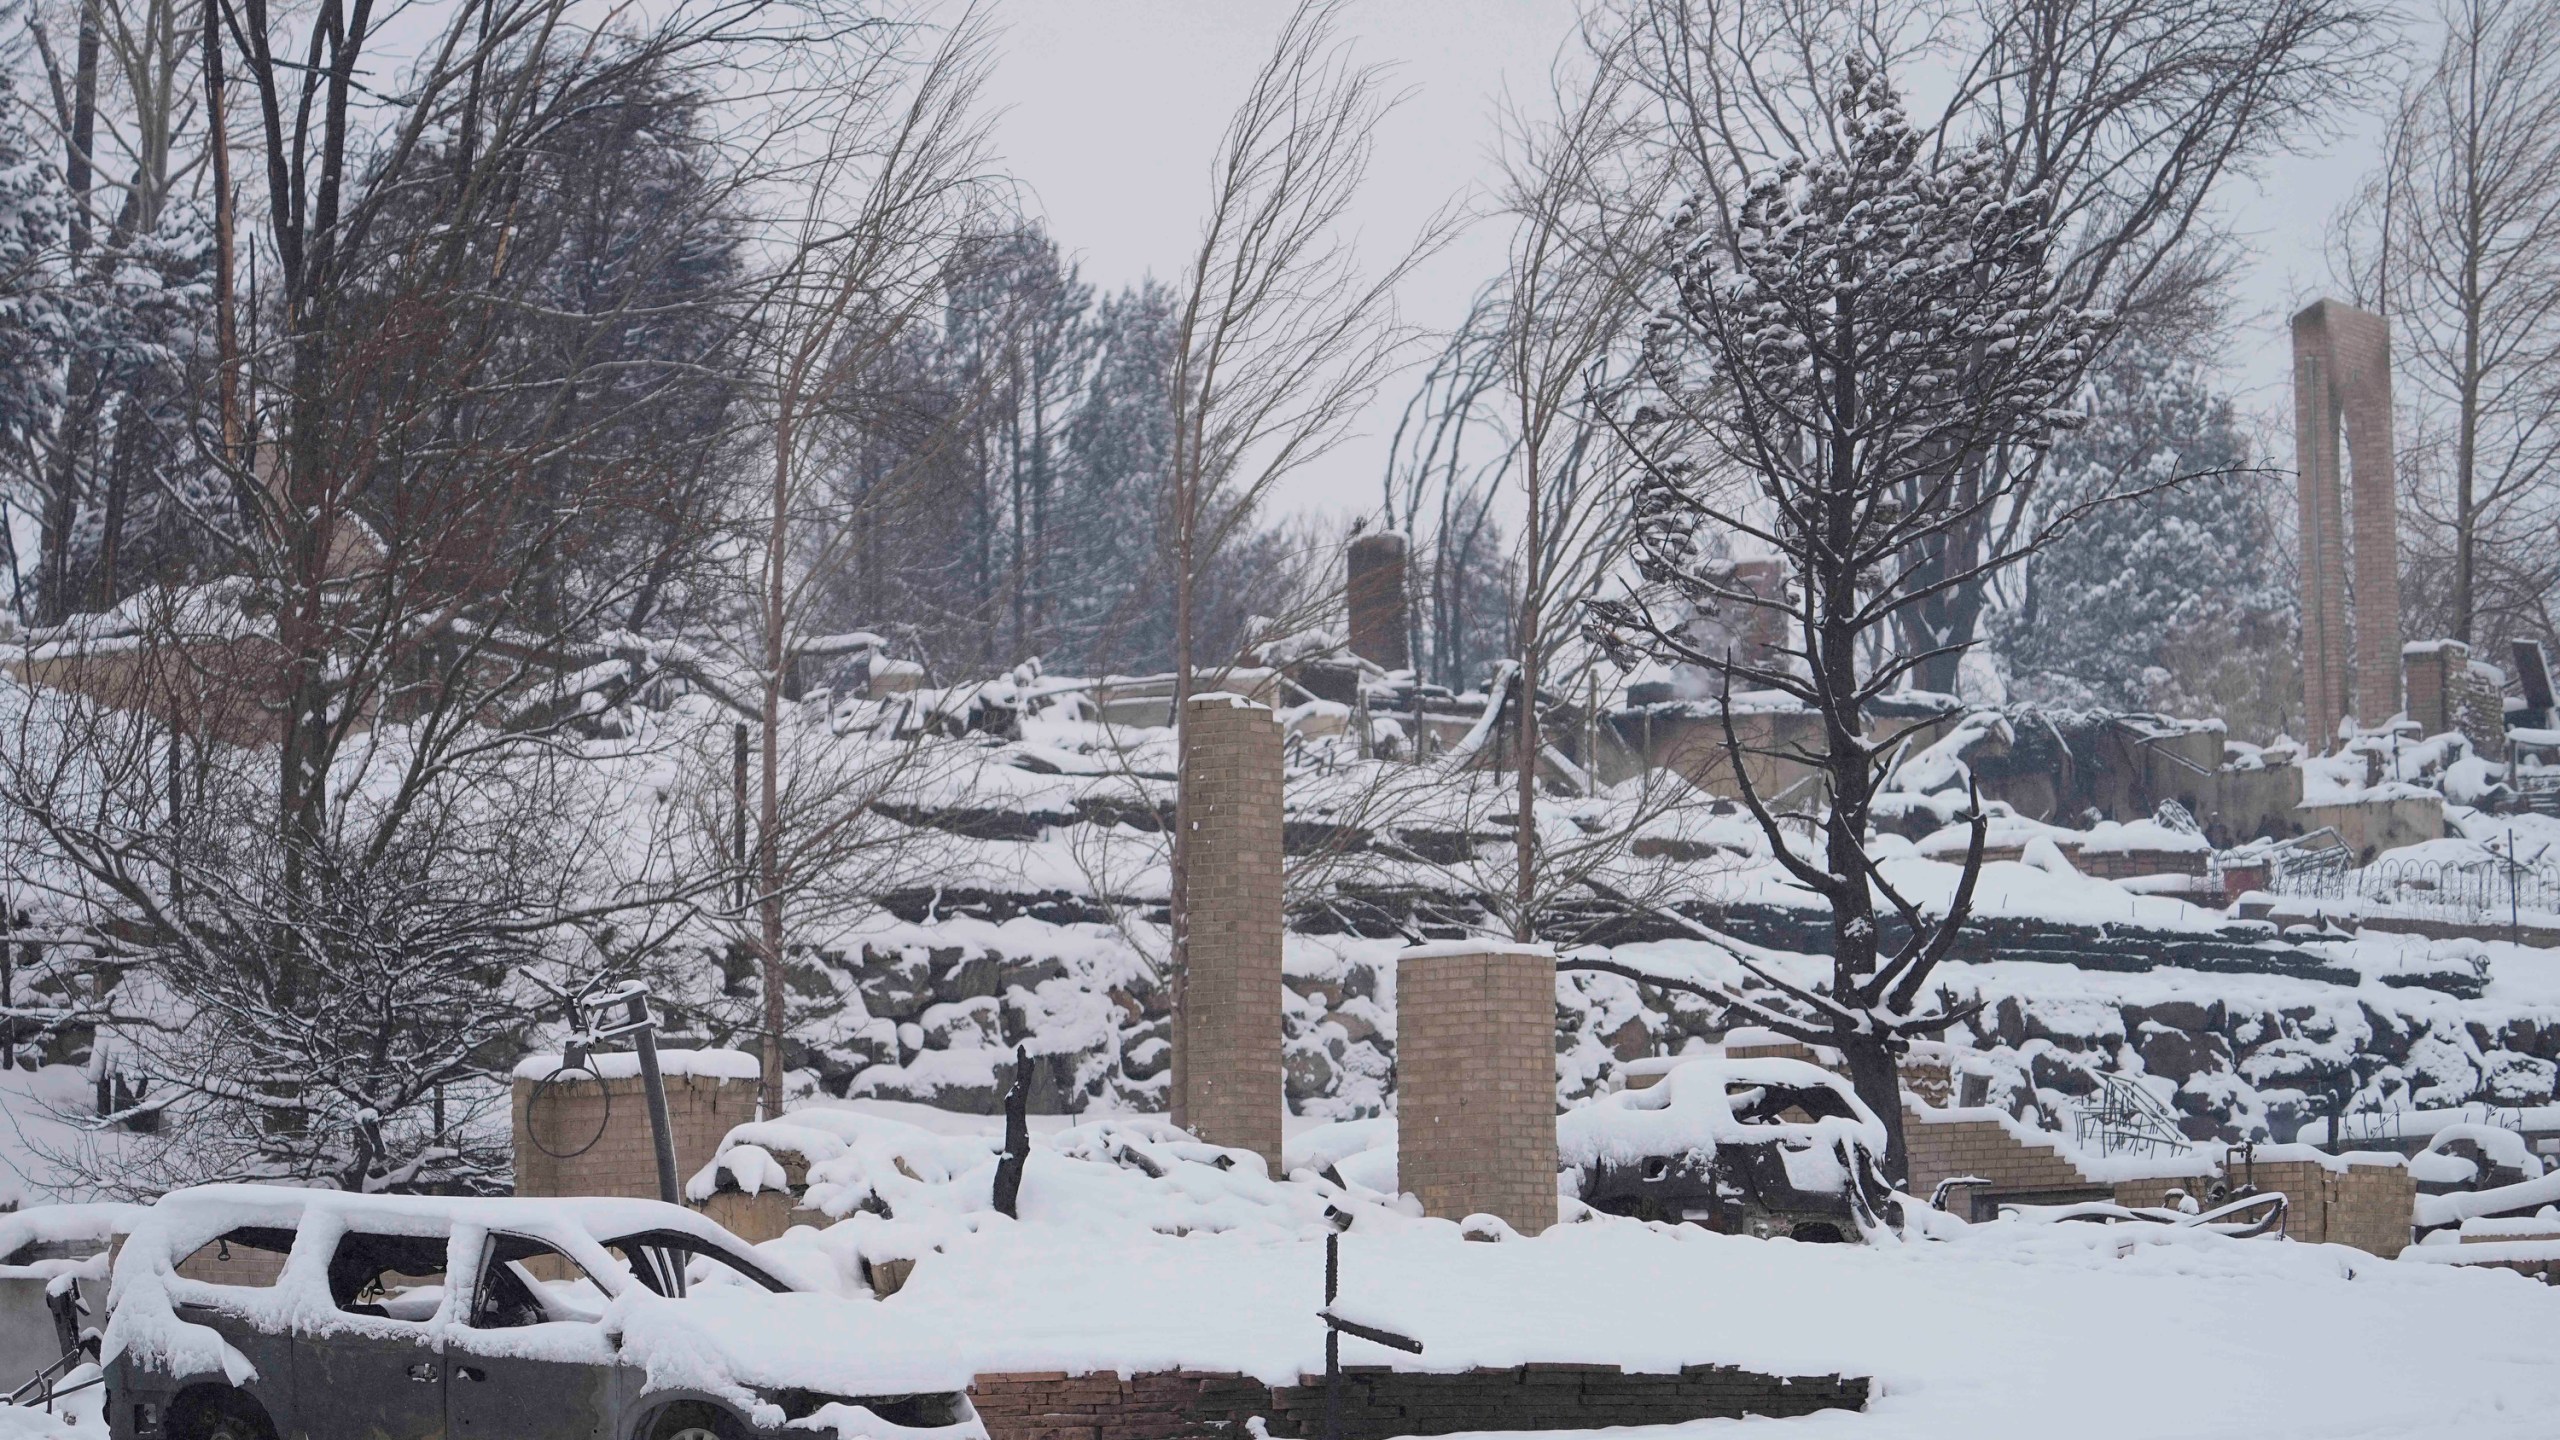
<point>257,1313</point>
<point>1763,1147</point>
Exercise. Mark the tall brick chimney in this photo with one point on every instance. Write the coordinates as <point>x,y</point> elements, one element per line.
<point>1228,1031</point>
<point>1476,1080</point>
<point>1375,591</point>
<point>2342,381</point>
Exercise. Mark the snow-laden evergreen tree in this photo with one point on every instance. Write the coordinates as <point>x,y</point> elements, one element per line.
<point>1877,316</point>
<point>2136,604</point>
<point>39,318</point>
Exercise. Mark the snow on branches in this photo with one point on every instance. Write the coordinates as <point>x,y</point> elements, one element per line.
<point>1864,344</point>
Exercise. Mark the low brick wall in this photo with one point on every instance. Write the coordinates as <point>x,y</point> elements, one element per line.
<point>2367,1205</point>
<point>1053,1405</point>
<point>1950,1149</point>
<point>623,1157</point>
<point>1379,1403</point>
<point>2016,1172</point>
<point>2113,864</point>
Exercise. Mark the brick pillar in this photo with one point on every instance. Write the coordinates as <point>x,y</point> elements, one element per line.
<point>2430,672</point>
<point>1375,595</point>
<point>1476,1081</point>
<point>2342,374</point>
<point>1229,1029</point>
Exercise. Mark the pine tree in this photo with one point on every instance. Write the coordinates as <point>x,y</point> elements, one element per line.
<point>1871,320</point>
<point>2138,604</point>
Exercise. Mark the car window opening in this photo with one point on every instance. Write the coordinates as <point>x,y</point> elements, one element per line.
<point>388,1277</point>
<point>526,1282</point>
<point>253,1255</point>
<point>670,1263</point>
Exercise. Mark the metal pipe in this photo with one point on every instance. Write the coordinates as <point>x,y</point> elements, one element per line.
<point>662,1130</point>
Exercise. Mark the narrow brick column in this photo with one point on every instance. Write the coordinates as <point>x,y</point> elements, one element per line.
<point>1373,592</point>
<point>2429,675</point>
<point>2342,378</point>
<point>1230,1026</point>
<point>1476,1081</point>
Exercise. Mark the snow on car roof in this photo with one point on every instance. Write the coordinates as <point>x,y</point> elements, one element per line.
<point>600,1217</point>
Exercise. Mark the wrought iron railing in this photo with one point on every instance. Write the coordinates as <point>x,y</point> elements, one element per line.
<point>2490,890</point>
<point>2122,1118</point>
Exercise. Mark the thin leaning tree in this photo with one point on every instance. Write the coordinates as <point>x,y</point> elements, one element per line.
<point>1280,335</point>
<point>1873,318</point>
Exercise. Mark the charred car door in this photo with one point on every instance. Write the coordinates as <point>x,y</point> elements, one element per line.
<point>375,1369</point>
<point>245,1264</point>
<point>533,1363</point>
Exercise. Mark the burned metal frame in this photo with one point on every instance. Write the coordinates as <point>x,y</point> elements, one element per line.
<point>1336,1326</point>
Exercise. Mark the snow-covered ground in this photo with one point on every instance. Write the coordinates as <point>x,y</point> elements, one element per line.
<point>1998,1330</point>
<point>1140,1250</point>
<point>2070,1330</point>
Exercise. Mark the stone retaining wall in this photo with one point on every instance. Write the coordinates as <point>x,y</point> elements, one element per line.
<point>1379,1402</point>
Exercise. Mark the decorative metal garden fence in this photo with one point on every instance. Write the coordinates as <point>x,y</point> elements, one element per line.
<point>2494,889</point>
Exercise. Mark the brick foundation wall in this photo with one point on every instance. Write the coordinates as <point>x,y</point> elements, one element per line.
<point>623,1160</point>
<point>1379,1403</point>
<point>1476,1082</point>
<point>2017,1172</point>
<point>1949,1149</point>
<point>2130,864</point>
<point>2367,1206</point>
<point>1230,1029</point>
<point>1053,1405</point>
<point>2446,691</point>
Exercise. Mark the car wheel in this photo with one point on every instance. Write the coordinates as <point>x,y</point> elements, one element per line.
<point>696,1422</point>
<point>219,1415</point>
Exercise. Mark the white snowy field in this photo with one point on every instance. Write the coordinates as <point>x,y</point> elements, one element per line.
<point>2077,1330</point>
<point>2006,1329</point>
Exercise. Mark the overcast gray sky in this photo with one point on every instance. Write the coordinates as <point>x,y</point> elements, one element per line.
<point>1112,110</point>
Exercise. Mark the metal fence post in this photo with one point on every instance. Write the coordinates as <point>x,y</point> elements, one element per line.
<point>2515,907</point>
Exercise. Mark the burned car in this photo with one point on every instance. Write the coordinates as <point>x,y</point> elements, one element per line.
<point>1766,1147</point>
<point>244,1312</point>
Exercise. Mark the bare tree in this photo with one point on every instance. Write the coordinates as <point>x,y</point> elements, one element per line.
<point>1280,337</point>
<point>2457,240</point>
<point>122,100</point>
<point>372,1051</point>
<point>1582,208</point>
<point>1446,463</point>
<point>893,179</point>
<point>444,490</point>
